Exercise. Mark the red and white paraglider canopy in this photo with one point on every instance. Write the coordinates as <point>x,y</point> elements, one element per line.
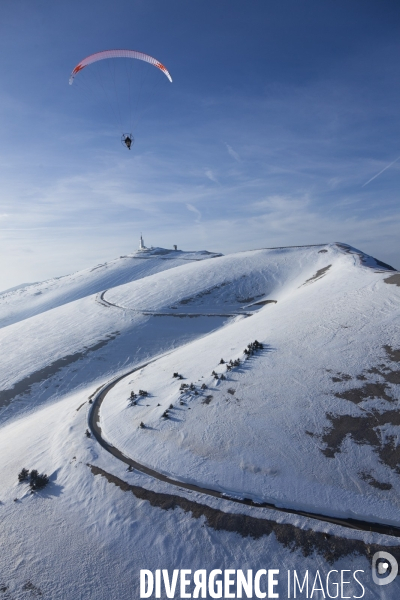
<point>117,54</point>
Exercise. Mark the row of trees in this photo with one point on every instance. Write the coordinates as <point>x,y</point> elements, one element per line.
<point>253,347</point>
<point>186,387</point>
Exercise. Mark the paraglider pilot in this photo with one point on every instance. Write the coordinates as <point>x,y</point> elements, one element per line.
<point>128,142</point>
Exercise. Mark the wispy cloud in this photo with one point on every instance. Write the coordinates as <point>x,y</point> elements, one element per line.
<point>195,211</point>
<point>281,203</point>
<point>211,175</point>
<point>232,152</point>
<point>76,200</point>
<point>380,172</point>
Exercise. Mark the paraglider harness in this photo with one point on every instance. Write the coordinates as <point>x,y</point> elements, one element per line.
<point>127,139</point>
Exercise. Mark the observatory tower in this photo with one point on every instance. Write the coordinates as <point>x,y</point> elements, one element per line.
<point>141,244</point>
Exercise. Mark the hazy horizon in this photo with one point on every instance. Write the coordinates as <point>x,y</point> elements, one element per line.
<point>280,128</point>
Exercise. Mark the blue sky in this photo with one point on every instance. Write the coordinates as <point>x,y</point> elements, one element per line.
<point>279,114</point>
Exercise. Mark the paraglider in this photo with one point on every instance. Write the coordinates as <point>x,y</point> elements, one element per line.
<point>117,54</point>
<point>129,90</point>
<point>127,139</point>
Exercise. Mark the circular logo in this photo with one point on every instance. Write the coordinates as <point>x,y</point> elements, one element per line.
<point>384,568</point>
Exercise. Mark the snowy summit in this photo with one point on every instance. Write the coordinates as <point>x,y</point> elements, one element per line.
<point>196,409</point>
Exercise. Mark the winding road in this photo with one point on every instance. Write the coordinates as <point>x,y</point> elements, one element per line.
<point>95,428</point>
<point>101,300</point>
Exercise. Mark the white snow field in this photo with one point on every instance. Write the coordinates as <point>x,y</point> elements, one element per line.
<point>308,422</point>
<point>32,299</point>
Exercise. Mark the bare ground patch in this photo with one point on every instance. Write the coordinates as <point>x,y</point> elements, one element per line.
<point>393,279</point>
<point>368,390</point>
<point>374,482</point>
<point>307,541</point>
<point>394,355</point>
<point>364,430</point>
<point>320,273</point>
<point>24,385</point>
<point>369,426</point>
<point>263,302</point>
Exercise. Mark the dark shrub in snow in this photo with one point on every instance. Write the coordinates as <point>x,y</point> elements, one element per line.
<point>207,399</point>
<point>23,475</point>
<point>37,481</point>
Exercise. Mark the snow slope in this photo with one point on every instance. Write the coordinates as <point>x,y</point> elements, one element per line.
<point>69,325</point>
<point>309,421</point>
<point>26,301</point>
<point>260,434</point>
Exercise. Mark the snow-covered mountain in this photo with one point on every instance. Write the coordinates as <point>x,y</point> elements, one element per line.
<point>305,419</point>
<point>31,299</point>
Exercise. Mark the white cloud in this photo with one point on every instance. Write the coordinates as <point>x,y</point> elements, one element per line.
<point>281,204</point>
<point>232,152</point>
<point>298,184</point>
<point>195,211</point>
<point>211,176</point>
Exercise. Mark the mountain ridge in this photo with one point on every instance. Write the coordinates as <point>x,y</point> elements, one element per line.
<point>305,419</point>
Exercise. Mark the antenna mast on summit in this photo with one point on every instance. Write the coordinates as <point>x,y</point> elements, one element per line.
<point>141,244</point>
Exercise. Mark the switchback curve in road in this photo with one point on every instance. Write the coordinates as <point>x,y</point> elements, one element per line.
<point>160,313</point>
<point>95,428</point>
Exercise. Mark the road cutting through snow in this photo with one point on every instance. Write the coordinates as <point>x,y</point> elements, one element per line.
<point>95,428</point>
